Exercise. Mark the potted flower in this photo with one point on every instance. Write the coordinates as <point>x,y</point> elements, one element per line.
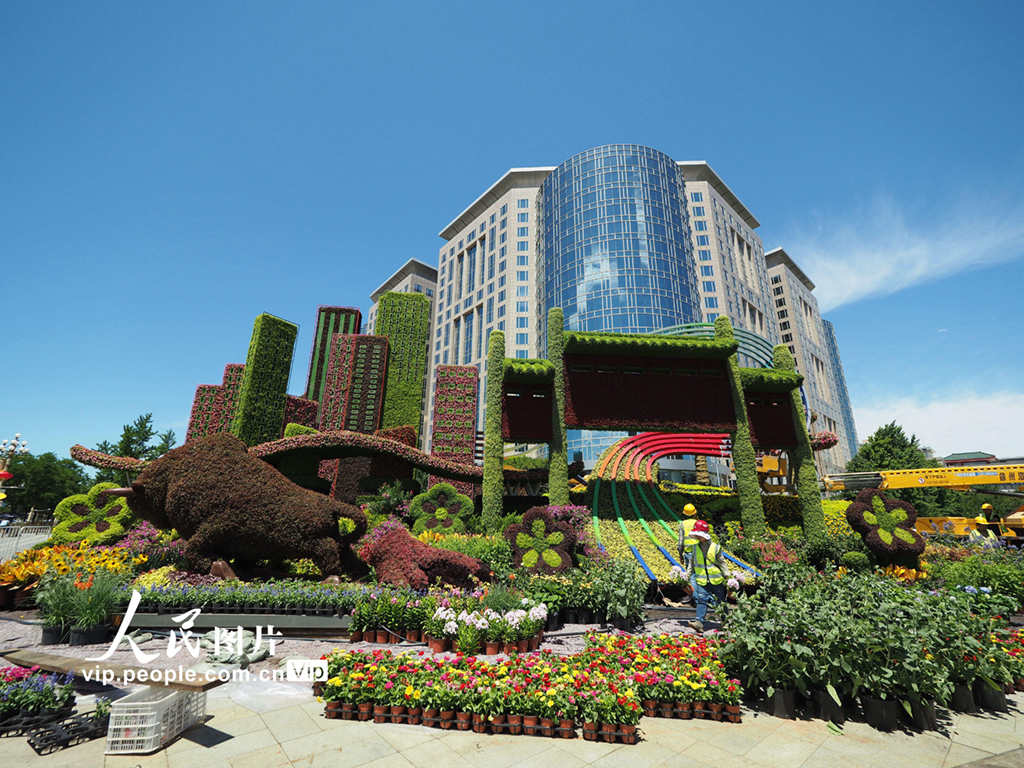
<point>731,692</point>
<point>55,598</point>
<point>590,713</point>
<point>91,605</point>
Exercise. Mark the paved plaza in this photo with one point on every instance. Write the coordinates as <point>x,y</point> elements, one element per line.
<point>282,725</point>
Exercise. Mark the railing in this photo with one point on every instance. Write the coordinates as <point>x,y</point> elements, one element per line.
<point>16,538</point>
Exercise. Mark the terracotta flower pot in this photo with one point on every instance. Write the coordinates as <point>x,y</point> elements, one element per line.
<point>380,713</point>
<point>567,729</point>
<point>732,711</point>
<point>650,707</point>
<point>698,710</point>
<point>355,636</point>
<point>412,635</point>
<point>437,644</point>
<point>523,645</point>
<point>684,710</point>
<point>509,648</point>
<point>431,718</point>
<point>716,710</point>
<point>665,709</point>
<point>491,648</point>
<point>348,710</point>
<point>628,734</point>
<point>590,731</point>
<point>515,724</point>
<point>383,637</point>
<point>397,710</point>
<point>530,724</point>
<point>534,643</point>
<point>547,726</point>
<point>332,706</point>
<point>414,715</point>
<point>498,723</point>
<point>463,720</point>
<point>1020,683</point>
<point>479,723</point>
<point>365,709</point>
<point>447,719</point>
<point>608,732</point>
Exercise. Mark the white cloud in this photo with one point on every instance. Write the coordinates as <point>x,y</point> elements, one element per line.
<point>875,251</point>
<point>990,422</point>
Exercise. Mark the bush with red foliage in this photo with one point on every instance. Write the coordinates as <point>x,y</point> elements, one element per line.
<point>402,560</point>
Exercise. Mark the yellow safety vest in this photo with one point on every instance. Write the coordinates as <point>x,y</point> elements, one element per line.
<point>688,538</point>
<point>706,571</point>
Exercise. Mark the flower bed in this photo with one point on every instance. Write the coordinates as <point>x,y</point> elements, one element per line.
<point>30,698</point>
<point>606,687</point>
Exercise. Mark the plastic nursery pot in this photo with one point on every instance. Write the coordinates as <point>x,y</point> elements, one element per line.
<point>530,724</point>
<point>989,697</point>
<point>498,723</point>
<point>54,635</point>
<point>590,731</point>
<point>91,636</point>
<point>414,715</point>
<point>515,724</point>
<point>783,703</point>
<point>412,635</point>
<point>650,707</point>
<point>430,717</point>
<point>716,710</point>
<point>383,636</point>
<point>963,699</point>
<point>365,710</point>
<point>666,709</point>
<point>922,715</point>
<point>479,723</point>
<point>883,714</point>
<point>348,710</point>
<point>828,709</point>
<point>397,710</point>
<point>438,644</point>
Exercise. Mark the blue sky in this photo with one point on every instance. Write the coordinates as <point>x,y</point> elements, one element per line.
<point>171,172</point>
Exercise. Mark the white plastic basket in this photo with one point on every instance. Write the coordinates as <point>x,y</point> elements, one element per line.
<point>147,719</point>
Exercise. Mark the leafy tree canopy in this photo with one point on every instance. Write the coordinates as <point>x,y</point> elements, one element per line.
<point>137,441</point>
<point>46,480</point>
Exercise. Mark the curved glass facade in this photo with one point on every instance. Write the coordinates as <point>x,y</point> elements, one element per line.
<point>614,251</point>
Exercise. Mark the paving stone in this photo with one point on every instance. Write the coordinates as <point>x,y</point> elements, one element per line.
<point>155,760</point>
<point>201,757</point>
<point>348,746</point>
<point>434,753</point>
<point>268,757</point>
<point>291,723</point>
<point>960,754</point>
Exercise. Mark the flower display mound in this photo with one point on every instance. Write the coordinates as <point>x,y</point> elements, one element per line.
<point>887,527</point>
<point>30,565</point>
<point>91,517</point>
<point>541,543</point>
<point>227,504</point>
<point>402,560</point>
<point>441,508</point>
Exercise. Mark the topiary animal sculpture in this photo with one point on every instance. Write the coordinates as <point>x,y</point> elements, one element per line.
<point>229,504</point>
<point>541,543</point>
<point>887,527</point>
<point>398,558</point>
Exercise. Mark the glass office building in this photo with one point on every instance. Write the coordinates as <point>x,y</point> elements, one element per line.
<point>614,251</point>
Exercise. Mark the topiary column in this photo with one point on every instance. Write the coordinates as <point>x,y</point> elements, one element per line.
<point>405,319</point>
<point>261,396</point>
<point>494,444</point>
<point>558,463</point>
<point>802,457</point>
<point>743,460</point>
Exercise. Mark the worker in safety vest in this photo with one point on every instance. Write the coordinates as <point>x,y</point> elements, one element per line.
<point>705,562</point>
<point>687,540</point>
<point>984,518</point>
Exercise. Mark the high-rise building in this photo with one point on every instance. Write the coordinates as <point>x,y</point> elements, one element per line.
<point>816,355</point>
<point>412,277</point>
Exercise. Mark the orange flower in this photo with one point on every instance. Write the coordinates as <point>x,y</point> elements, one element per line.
<point>83,584</point>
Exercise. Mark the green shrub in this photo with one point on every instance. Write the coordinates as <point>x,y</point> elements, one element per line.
<point>261,397</point>
<point>493,551</point>
<point>1004,578</point>
<point>494,445</point>
<point>91,518</point>
<point>405,319</point>
<point>855,561</point>
<point>558,467</point>
<point>291,430</point>
<point>441,509</point>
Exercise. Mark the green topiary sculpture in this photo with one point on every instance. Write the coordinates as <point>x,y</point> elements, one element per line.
<point>541,543</point>
<point>887,527</point>
<point>90,517</point>
<point>441,509</point>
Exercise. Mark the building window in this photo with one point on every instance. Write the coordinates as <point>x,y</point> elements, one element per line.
<point>712,316</point>
<point>783,313</point>
<point>787,337</point>
<point>522,260</point>
<point>784,326</point>
<point>523,232</point>
<point>522,339</point>
<point>704,254</point>
<point>777,291</point>
<point>501,300</point>
<point>467,349</point>
<point>776,280</point>
<point>523,245</point>
<point>490,310</point>
<point>698,210</point>
<point>504,236</point>
<point>522,276</point>
<point>703,240</point>
<point>523,203</point>
<point>492,218</point>
<point>501,280</point>
<point>491,239</point>
<point>522,354</point>
<point>504,223</point>
<point>707,271</point>
<point>523,218</point>
<point>780,302</point>
<point>501,313</point>
<point>522,291</point>
<point>700,225</point>
<point>709,286</point>
<point>696,197</point>
<point>522,322</point>
<point>522,306</point>
<point>504,210</point>
<point>710,302</point>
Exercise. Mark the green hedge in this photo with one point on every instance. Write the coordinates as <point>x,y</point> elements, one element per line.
<point>405,319</point>
<point>291,430</point>
<point>558,467</point>
<point>494,445</point>
<point>531,371</point>
<point>769,380</point>
<point>802,457</point>
<point>261,398</point>
<point>636,344</point>
<point>744,462</point>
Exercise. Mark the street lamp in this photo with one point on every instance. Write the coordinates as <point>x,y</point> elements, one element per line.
<point>8,450</point>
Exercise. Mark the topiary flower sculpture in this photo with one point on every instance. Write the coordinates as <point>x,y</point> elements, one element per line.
<point>541,543</point>
<point>441,509</point>
<point>91,517</point>
<point>887,527</point>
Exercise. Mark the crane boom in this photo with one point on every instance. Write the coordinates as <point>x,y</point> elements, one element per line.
<point>960,478</point>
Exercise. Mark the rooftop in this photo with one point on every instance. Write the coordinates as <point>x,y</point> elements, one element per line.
<point>514,177</point>
<point>970,456</point>
<point>411,267</point>
<point>699,170</point>
<point>778,256</point>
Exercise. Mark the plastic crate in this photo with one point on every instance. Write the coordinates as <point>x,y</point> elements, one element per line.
<point>146,720</point>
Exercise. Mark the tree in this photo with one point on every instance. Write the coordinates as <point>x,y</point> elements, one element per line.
<point>46,480</point>
<point>136,442</point>
<point>890,448</point>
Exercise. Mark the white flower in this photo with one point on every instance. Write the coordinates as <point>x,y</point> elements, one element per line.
<point>525,601</point>
<point>675,573</point>
<point>733,583</point>
<point>451,628</point>
<point>538,612</point>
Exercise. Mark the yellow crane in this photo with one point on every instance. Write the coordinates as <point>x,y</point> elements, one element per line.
<point>956,478</point>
